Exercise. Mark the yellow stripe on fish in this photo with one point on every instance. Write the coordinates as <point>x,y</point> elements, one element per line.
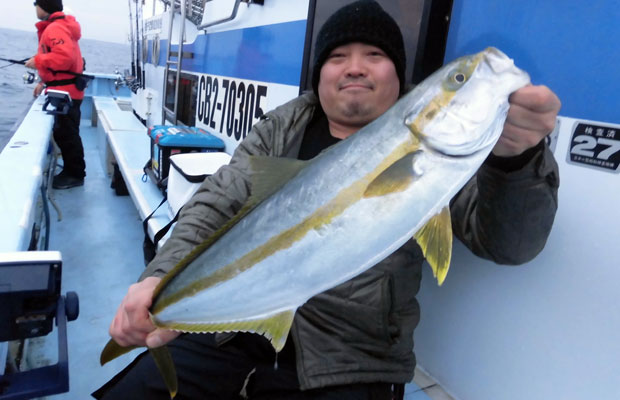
<point>321,217</point>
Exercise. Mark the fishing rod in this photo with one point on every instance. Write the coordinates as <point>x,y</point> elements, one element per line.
<point>29,77</point>
<point>138,45</point>
<point>13,62</point>
<point>133,61</point>
<point>22,62</point>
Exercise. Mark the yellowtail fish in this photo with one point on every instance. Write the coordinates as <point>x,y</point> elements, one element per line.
<point>310,226</point>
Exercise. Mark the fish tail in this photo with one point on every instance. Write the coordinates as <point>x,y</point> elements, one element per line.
<point>160,355</point>
<point>165,365</point>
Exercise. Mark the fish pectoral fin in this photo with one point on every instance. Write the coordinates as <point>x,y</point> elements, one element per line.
<point>113,350</point>
<point>271,173</point>
<point>396,178</point>
<point>435,239</point>
<point>275,327</point>
<point>166,368</point>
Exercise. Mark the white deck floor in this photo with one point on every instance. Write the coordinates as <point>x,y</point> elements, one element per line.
<point>100,238</point>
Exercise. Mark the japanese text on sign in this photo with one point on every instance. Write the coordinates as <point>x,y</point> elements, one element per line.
<point>597,146</point>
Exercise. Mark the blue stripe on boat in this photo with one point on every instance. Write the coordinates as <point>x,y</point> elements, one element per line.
<point>269,53</point>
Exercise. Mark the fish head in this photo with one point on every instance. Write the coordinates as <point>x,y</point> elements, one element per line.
<point>463,105</point>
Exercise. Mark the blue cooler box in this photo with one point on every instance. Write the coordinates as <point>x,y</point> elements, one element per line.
<point>167,140</point>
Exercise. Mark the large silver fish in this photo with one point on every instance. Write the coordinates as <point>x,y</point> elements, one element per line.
<point>333,217</point>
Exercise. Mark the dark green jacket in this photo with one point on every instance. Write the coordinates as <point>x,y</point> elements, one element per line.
<point>362,330</point>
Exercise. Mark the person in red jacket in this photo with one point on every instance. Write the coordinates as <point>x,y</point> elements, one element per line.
<point>58,54</point>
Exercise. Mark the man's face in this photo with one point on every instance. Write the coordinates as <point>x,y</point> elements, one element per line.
<point>358,83</point>
<point>41,14</point>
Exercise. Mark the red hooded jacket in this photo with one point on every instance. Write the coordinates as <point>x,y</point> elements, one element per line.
<point>59,51</point>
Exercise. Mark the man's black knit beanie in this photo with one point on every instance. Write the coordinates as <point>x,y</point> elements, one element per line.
<point>50,6</point>
<point>362,21</point>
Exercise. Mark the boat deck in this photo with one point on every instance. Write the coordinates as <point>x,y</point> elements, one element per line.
<point>100,238</point>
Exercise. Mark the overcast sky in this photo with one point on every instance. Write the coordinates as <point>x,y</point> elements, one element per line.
<point>106,20</point>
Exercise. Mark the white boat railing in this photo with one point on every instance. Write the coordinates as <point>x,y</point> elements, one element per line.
<point>23,163</point>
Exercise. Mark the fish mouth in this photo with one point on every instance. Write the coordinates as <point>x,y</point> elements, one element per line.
<point>497,60</point>
<point>499,63</point>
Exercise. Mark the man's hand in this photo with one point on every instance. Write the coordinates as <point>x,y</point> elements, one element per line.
<point>531,117</point>
<point>132,325</point>
<point>30,63</point>
<point>38,89</point>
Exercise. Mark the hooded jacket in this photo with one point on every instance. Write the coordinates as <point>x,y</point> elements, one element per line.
<point>59,51</point>
<point>362,330</point>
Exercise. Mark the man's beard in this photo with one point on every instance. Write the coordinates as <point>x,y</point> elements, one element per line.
<point>356,110</point>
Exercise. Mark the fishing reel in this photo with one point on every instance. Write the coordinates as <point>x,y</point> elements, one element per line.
<point>29,78</point>
<point>120,80</point>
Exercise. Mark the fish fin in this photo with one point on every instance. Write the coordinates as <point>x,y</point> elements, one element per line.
<point>396,178</point>
<point>435,239</point>
<point>162,358</point>
<point>271,173</point>
<point>166,368</point>
<point>113,350</point>
<point>275,327</point>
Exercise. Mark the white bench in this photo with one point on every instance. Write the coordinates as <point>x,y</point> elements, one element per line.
<point>123,140</point>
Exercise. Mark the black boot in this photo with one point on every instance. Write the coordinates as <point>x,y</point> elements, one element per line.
<point>66,181</point>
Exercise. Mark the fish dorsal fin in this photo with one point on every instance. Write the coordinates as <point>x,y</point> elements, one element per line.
<point>275,327</point>
<point>271,173</point>
<point>268,175</point>
<point>435,239</point>
<point>395,178</point>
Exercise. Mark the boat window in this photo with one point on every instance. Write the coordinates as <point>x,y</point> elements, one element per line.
<point>194,11</point>
<point>421,22</point>
<point>145,50</point>
<point>156,47</point>
<point>188,93</point>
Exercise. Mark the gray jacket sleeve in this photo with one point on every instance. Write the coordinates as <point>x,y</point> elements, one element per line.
<point>217,200</point>
<point>506,217</point>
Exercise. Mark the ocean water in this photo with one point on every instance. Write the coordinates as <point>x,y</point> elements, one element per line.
<point>15,96</point>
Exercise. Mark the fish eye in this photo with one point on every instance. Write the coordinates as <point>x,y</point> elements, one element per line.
<point>456,79</point>
<point>459,78</point>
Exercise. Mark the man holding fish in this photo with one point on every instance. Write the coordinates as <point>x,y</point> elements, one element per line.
<point>331,290</point>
